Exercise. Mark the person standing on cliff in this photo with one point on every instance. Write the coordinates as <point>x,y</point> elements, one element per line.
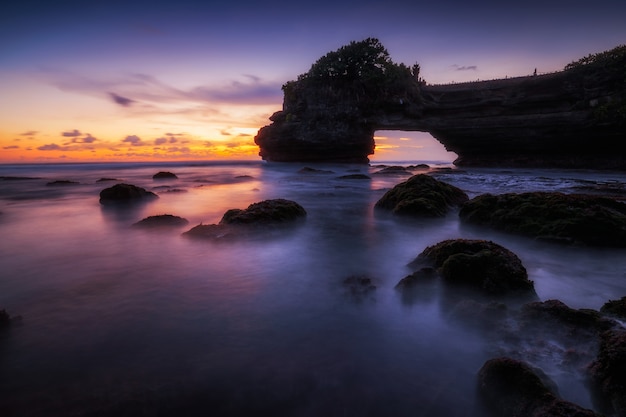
<point>535,73</point>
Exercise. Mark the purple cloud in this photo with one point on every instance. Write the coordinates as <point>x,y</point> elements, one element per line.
<point>122,101</point>
<point>52,147</point>
<point>29,133</point>
<point>88,139</point>
<point>11,147</point>
<point>71,134</point>
<point>160,141</point>
<point>134,140</point>
<point>465,67</point>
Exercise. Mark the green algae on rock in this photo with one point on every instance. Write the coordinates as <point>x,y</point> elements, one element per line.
<point>422,196</point>
<point>567,218</point>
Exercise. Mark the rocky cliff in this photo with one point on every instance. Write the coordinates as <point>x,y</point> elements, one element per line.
<point>574,118</point>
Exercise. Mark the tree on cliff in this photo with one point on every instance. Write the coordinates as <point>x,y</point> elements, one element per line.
<point>361,74</point>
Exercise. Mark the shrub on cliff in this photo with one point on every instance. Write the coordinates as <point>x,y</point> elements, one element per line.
<point>360,73</point>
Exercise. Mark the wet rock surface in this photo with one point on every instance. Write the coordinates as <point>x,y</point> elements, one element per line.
<point>607,374</point>
<point>422,196</point>
<point>161,221</point>
<point>480,265</point>
<point>164,175</point>
<point>615,308</point>
<point>565,218</point>
<point>125,193</point>
<point>266,216</point>
<point>508,387</point>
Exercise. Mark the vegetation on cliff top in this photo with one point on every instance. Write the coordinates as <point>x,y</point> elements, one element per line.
<point>361,73</point>
<point>610,64</point>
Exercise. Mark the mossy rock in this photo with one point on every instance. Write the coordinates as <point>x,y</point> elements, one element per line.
<point>575,219</point>
<point>508,387</point>
<point>125,193</point>
<point>161,221</point>
<point>422,196</point>
<point>266,216</point>
<point>164,175</point>
<point>265,212</point>
<point>616,308</point>
<point>478,264</point>
<point>607,374</point>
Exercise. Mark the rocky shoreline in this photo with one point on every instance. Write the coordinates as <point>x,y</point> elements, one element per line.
<point>485,285</point>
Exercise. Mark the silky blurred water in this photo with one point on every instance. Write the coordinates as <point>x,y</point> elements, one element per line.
<point>121,321</point>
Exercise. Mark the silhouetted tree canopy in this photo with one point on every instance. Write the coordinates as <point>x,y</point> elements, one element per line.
<point>361,73</point>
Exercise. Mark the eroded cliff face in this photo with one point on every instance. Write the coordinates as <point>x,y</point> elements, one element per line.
<point>566,119</point>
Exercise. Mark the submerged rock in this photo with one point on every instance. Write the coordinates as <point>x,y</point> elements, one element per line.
<point>509,387</point>
<point>551,216</point>
<point>309,170</point>
<point>263,216</point>
<point>6,320</point>
<point>422,196</point>
<point>616,308</point>
<point>125,193</point>
<point>354,177</point>
<point>359,287</point>
<point>480,265</point>
<point>61,182</point>
<point>607,374</point>
<point>393,170</point>
<point>162,221</point>
<point>164,175</point>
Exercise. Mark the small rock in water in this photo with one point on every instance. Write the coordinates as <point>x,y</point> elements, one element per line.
<point>163,175</point>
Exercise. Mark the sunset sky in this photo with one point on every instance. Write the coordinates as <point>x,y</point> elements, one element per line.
<point>182,80</point>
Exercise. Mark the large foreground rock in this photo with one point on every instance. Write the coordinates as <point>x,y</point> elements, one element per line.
<point>511,388</point>
<point>481,265</point>
<point>125,193</point>
<point>422,196</point>
<point>560,217</point>
<point>608,374</point>
<point>265,216</point>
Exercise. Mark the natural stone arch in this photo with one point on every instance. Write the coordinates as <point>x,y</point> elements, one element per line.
<point>407,145</point>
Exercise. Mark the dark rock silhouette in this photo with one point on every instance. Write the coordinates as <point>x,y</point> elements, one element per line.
<point>616,308</point>
<point>572,118</point>
<point>264,217</point>
<point>479,265</point>
<point>509,387</point>
<point>354,177</point>
<point>61,183</point>
<point>164,175</point>
<point>161,221</point>
<point>422,196</point>
<point>566,218</point>
<point>608,374</point>
<point>125,193</point>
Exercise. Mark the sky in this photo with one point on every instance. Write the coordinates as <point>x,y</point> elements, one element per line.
<point>112,80</point>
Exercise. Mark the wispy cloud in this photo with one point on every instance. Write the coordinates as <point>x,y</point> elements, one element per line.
<point>152,93</point>
<point>53,147</point>
<point>465,67</point>
<point>122,101</point>
<point>11,147</point>
<point>29,133</point>
<point>71,134</point>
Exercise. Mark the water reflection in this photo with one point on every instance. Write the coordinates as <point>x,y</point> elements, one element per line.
<point>118,321</point>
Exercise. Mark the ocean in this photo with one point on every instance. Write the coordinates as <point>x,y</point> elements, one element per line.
<point>118,321</point>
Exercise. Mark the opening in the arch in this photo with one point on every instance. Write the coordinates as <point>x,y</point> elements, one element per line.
<point>402,146</point>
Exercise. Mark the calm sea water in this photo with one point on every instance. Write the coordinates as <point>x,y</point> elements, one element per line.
<point>120,321</point>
